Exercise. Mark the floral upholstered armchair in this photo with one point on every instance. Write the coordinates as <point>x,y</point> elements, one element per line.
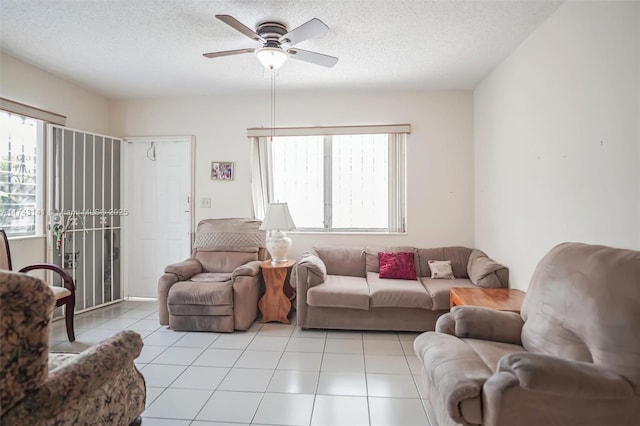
<point>98,386</point>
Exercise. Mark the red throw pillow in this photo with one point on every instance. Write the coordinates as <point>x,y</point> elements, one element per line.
<point>399,265</point>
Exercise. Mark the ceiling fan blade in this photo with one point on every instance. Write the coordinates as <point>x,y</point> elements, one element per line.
<point>313,28</point>
<point>313,57</point>
<point>233,22</point>
<point>228,53</point>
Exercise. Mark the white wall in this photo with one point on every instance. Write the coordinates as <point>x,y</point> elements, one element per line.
<point>440,151</point>
<point>29,85</point>
<point>557,141</point>
<point>84,109</point>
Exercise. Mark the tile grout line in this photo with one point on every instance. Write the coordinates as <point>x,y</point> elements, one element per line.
<point>315,393</point>
<point>270,379</point>
<point>225,376</point>
<point>376,341</point>
<point>366,382</point>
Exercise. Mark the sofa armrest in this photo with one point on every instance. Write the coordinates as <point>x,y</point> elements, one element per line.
<point>69,384</point>
<point>316,270</point>
<point>165,282</point>
<point>446,324</point>
<point>246,293</point>
<point>482,323</point>
<point>249,269</point>
<point>181,271</point>
<point>300,283</point>
<point>557,376</point>
<point>184,270</point>
<point>485,272</point>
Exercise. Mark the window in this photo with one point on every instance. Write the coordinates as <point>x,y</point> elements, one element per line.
<point>21,177</point>
<point>336,182</point>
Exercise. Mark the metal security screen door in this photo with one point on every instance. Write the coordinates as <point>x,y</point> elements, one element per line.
<point>85,212</point>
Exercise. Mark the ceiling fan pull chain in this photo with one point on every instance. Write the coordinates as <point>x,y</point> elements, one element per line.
<point>273,103</point>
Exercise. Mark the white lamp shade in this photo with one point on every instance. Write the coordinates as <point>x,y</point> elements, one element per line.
<point>272,57</point>
<point>277,218</point>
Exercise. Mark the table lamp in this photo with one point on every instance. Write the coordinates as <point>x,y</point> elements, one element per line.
<point>276,220</point>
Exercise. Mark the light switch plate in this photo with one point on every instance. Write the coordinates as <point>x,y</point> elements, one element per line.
<point>205,203</point>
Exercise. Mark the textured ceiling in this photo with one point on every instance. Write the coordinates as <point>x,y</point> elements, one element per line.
<point>153,48</point>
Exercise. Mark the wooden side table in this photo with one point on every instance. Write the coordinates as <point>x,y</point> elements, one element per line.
<point>502,299</point>
<point>275,305</point>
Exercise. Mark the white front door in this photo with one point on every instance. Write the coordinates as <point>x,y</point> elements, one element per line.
<point>158,186</point>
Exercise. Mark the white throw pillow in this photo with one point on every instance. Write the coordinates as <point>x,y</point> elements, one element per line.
<point>441,269</point>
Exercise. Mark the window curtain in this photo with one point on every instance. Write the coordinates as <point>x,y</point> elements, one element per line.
<point>261,190</point>
<point>397,159</point>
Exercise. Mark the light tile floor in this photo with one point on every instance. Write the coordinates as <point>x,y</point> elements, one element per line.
<point>272,374</point>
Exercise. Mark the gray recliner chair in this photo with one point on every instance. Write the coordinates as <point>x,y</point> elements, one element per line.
<point>218,287</point>
<point>572,357</point>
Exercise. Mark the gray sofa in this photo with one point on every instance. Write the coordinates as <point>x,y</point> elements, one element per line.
<point>340,287</point>
<point>572,357</point>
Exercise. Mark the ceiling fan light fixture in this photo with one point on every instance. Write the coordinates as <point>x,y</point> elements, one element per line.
<point>272,57</point>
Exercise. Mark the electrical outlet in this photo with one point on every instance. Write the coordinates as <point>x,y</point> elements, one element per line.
<point>205,203</point>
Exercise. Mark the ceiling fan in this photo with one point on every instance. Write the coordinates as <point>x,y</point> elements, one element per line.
<point>277,42</point>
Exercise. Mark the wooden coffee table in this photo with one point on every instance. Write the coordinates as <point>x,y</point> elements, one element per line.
<point>502,299</point>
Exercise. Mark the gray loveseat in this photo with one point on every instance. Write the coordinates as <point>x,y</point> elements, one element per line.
<point>340,287</point>
<point>571,358</point>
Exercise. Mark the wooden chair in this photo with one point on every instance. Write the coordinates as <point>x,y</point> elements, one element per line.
<point>65,295</point>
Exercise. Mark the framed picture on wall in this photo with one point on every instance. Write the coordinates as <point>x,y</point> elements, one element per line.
<point>222,170</point>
